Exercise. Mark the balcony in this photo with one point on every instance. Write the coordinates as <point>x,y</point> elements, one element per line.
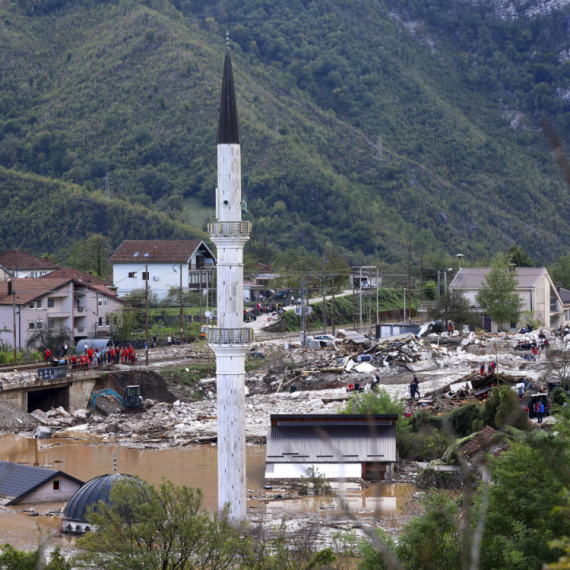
<point>54,314</point>
<point>230,336</point>
<point>229,229</point>
<point>80,331</point>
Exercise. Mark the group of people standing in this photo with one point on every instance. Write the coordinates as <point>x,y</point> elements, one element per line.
<point>92,357</point>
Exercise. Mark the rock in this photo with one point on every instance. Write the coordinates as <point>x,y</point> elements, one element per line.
<point>422,366</point>
<point>81,414</point>
<point>62,411</point>
<point>295,395</point>
<point>148,404</point>
<point>114,427</point>
<point>465,342</point>
<point>39,414</point>
<point>34,514</point>
<point>177,403</point>
<point>315,404</point>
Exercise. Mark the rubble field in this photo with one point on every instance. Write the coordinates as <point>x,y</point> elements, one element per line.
<point>447,368</point>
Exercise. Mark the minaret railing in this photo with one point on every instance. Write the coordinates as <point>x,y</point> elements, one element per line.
<point>229,229</point>
<point>230,336</point>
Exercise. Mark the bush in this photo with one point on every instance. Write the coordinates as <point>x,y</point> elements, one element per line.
<point>463,420</point>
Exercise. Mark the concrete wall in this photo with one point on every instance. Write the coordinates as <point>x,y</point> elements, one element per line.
<point>165,276</point>
<point>46,494</point>
<point>80,392</point>
<point>297,470</point>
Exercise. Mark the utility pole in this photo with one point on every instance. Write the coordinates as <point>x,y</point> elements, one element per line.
<point>332,308</point>
<point>422,278</point>
<point>377,287</point>
<point>438,287</point>
<point>404,305</point>
<point>146,311</point>
<point>181,304</point>
<point>410,281</point>
<point>11,289</point>
<point>324,300</point>
<point>360,297</point>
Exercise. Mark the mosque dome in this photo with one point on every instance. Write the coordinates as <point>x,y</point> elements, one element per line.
<point>98,489</point>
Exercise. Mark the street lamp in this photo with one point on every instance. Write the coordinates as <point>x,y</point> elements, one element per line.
<point>459,256</point>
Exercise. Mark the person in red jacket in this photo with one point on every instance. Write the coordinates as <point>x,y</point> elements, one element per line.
<point>74,361</point>
<point>47,356</point>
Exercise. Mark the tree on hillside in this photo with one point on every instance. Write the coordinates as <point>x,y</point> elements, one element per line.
<point>519,257</point>
<point>498,295</point>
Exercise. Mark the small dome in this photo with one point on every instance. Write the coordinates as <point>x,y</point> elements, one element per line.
<point>95,490</point>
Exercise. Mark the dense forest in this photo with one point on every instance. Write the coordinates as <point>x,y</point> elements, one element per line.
<point>369,127</point>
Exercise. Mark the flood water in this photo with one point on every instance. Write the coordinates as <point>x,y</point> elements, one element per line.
<point>194,466</point>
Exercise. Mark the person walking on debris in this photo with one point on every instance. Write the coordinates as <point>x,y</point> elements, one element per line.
<point>482,369</point>
<point>450,328</point>
<point>375,383</point>
<point>414,388</point>
<point>540,411</point>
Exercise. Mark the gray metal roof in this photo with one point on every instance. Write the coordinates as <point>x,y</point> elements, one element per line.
<point>331,444</point>
<point>474,277</point>
<point>564,295</point>
<point>356,337</point>
<point>17,480</point>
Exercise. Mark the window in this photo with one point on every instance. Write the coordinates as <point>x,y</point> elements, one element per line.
<point>102,301</point>
<point>101,321</point>
<point>146,254</point>
<point>32,306</point>
<point>51,323</point>
<point>32,325</point>
<point>56,486</point>
<point>136,254</point>
<point>133,275</point>
<point>39,325</point>
<point>145,275</point>
<point>39,304</point>
<point>42,273</point>
<point>51,303</point>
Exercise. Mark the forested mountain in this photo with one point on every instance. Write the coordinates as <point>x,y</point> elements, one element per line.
<point>368,125</point>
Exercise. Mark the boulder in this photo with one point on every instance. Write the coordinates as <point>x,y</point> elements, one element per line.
<point>114,427</point>
<point>148,404</point>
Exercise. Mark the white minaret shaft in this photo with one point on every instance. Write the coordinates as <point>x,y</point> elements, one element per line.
<point>230,340</point>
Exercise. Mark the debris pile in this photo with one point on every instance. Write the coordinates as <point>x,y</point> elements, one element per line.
<point>58,417</point>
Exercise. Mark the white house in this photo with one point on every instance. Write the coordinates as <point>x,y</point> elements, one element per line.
<point>52,302</point>
<point>164,259</point>
<point>24,484</point>
<point>534,285</point>
<point>14,263</point>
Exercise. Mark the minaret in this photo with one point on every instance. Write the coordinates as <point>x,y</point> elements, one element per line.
<point>230,340</point>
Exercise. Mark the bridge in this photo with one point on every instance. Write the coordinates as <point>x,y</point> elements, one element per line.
<point>69,388</point>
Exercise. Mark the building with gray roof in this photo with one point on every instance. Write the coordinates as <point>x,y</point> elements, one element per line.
<point>24,484</point>
<point>538,293</point>
<point>334,445</point>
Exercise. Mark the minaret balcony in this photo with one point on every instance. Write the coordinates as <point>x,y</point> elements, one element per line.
<point>230,336</point>
<point>229,229</point>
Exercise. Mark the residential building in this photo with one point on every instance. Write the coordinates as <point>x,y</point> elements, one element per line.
<point>164,259</point>
<point>538,293</point>
<point>14,263</point>
<point>258,282</point>
<point>24,484</point>
<point>336,445</point>
<point>42,303</point>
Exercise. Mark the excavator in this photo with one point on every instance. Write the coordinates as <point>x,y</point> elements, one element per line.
<point>131,403</point>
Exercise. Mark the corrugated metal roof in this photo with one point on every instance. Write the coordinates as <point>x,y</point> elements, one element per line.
<point>474,277</point>
<point>328,444</point>
<point>18,480</point>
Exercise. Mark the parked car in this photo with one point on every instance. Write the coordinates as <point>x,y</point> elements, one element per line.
<point>280,296</point>
<point>321,337</point>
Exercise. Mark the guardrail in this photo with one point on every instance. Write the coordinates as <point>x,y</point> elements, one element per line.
<point>229,229</point>
<point>230,336</point>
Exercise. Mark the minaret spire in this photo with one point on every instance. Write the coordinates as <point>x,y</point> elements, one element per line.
<point>230,340</point>
<point>228,126</point>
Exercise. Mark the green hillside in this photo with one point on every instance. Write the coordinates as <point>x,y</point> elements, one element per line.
<point>366,126</point>
<point>43,216</point>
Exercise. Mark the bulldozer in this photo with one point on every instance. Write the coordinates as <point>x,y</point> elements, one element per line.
<point>131,403</point>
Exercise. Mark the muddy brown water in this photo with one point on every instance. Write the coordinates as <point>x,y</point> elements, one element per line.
<point>193,466</point>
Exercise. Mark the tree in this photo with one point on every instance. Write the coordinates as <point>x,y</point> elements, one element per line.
<point>455,307</point>
<point>92,255</point>
<point>519,257</point>
<point>528,481</point>
<point>50,338</point>
<point>158,527</point>
<point>560,272</point>
<point>124,322</point>
<point>13,559</point>
<point>498,295</point>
